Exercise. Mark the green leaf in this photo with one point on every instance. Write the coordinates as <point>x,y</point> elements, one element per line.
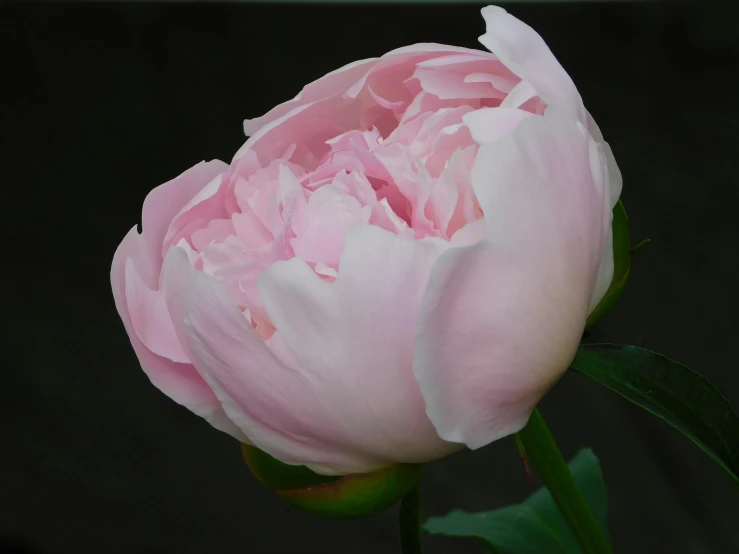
<point>671,391</point>
<point>621,263</point>
<point>534,527</point>
<point>514,529</point>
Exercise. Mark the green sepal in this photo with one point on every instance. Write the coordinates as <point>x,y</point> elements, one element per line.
<point>277,475</point>
<point>333,497</point>
<point>621,263</point>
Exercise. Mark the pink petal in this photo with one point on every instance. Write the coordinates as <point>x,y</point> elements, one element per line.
<point>365,139</point>
<point>200,210</point>
<point>525,53</point>
<point>600,167</point>
<point>216,231</point>
<point>353,342</point>
<point>503,84</point>
<point>413,183</point>
<point>275,405</point>
<point>251,231</point>
<point>489,124</point>
<point>397,65</point>
<point>501,319</point>
<point>435,124</point>
<point>519,95</point>
<point>149,317</point>
<point>448,85</point>
<point>330,212</point>
<point>434,48</point>
<point>615,180</point>
<point>160,207</point>
<point>605,273</point>
<point>308,126</point>
<point>449,140</point>
<point>459,60</point>
<point>424,103</point>
<point>331,84</point>
<point>179,381</point>
<point>469,234</point>
<point>393,105</point>
<point>445,194</point>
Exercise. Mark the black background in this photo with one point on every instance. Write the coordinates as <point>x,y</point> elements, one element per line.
<point>102,103</point>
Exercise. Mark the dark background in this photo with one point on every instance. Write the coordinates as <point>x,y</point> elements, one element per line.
<point>102,103</point>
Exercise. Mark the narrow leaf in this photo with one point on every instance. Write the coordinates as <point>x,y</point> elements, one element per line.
<point>680,396</point>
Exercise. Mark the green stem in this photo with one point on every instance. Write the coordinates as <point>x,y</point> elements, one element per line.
<point>552,468</point>
<point>410,522</point>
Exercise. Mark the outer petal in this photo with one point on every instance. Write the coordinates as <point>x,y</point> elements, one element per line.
<point>615,179</point>
<point>160,207</point>
<point>179,381</point>
<point>525,53</point>
<point>355,337</point>
<point>487,125</point>
<point>501,319</point>
<point>348,401</point>
<point>614,183</point>
<point>350,79</point>
<point>436,48</point>
<point>605,272</point>
<point>333,83</point>
<point>308,127</point>
<point>276,406</point>
<point>149,318</point>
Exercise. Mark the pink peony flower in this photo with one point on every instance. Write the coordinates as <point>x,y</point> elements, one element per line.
<point>398,262</point>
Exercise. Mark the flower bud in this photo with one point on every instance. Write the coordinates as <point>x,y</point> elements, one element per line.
<point>398,263</point>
